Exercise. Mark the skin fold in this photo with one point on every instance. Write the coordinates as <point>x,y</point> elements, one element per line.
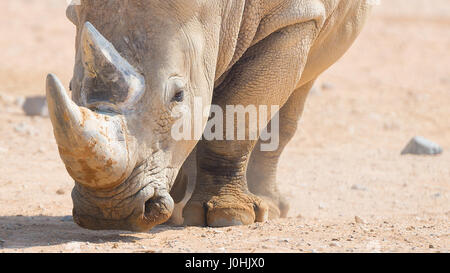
<point>138,61</point>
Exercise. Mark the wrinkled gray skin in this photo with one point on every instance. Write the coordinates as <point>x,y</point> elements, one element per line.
<point>137,60</point>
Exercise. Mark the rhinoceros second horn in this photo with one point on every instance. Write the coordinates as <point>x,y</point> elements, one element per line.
<point>103,62</point>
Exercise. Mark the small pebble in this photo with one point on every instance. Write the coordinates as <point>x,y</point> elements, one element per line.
<point>357,187</point>
<point>327,86</point>
<point>436,195</point>
<point>359,220</point>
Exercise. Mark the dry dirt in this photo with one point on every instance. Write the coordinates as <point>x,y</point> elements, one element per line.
<point>344,162</point>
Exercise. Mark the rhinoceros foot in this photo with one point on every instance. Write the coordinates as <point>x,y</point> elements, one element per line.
<point>278,206</point>
<point>225,209</point>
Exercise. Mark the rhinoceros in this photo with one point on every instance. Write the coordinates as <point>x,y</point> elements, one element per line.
<point>138,63</point>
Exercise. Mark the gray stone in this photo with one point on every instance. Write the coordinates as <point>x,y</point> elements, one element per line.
<point>357,187</point>
<point>35,106</point>
<point>422,146</point>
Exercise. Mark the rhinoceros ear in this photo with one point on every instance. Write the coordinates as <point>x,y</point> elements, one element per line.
<point>110,80</point>
<point>71,13</point>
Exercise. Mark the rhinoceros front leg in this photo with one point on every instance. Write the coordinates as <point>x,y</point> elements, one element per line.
<point>267,75</point>
<point>221,196</point>
<point>262,169</point>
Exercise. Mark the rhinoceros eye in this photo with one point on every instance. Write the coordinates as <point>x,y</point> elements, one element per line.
<point>179,96</point>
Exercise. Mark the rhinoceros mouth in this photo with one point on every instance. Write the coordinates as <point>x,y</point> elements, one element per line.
<point>138,204</point>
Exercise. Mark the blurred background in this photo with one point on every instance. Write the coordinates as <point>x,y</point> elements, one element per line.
<point>343,164</point>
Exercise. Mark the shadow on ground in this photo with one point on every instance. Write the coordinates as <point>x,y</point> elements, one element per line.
<point>35,231</point>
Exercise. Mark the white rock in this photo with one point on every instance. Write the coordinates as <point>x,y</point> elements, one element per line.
<point>422,146</point>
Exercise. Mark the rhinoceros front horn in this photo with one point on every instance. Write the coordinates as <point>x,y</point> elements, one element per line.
<point>94,146</point>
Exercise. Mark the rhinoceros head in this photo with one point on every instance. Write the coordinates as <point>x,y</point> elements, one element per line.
<point>136,63</point>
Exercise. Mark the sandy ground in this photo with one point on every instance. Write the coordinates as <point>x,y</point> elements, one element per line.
<point>344,162</point>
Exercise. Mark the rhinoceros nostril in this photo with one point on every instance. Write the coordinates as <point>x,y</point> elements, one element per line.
<point>148,208</point>
<point>158,208</point>
<point>153,209</point>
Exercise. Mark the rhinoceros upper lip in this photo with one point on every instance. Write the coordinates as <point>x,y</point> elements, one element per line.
<point>139,192</point>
